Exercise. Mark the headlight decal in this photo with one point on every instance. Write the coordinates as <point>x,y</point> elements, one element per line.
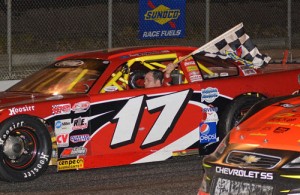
<point>206,165</point>
<point>222,146</point>
<point>291,176</point>
<point>293,164</point>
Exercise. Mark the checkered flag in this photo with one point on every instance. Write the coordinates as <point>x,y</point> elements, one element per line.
<point>229,55</point>
<point>235,44</point>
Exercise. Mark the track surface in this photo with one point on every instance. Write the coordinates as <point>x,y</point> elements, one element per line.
<point>180,175</point>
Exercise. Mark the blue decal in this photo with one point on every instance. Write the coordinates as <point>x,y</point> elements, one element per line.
<point>209,94</point>
<point>159,19</point>
<point>208,132</point>
<point>58,124</point>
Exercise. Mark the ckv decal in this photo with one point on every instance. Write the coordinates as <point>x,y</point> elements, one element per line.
<point>129,117</point>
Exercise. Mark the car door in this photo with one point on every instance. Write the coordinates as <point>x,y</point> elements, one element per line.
<point>142,125</point>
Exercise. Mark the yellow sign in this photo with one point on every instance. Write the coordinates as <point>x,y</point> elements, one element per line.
<point>70,164</point>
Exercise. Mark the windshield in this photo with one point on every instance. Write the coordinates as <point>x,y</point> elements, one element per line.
<point>63,77</point>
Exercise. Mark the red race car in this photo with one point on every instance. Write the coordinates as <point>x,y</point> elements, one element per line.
<point>90,110</point>
<point>259,156</point>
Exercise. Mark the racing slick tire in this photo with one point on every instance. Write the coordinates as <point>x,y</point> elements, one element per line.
<point>234,112</point>
<point>25,148</point>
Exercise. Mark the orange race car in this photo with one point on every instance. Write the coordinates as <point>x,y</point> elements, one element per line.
<point>259,156</point>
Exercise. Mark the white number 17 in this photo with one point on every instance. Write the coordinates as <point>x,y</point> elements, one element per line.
<point>129,117</point>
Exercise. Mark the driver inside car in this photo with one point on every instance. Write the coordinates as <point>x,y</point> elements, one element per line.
<point>153,78</point>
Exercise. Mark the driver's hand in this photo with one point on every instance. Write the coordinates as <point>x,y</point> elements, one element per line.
<point>169,68</point>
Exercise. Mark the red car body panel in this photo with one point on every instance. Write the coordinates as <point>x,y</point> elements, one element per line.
<point>99,129</point>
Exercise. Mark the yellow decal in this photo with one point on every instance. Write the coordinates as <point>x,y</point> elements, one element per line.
<point>206,165</point>
<point>285,191</point>
<point>162,14</point>
<point>258,134</point>
<point>192,68</point>
<point>285,115</point>
<point>277,123</point>
<point>70,164</point>
<point>291,176</point>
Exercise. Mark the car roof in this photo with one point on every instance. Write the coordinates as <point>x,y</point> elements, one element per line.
<point>127,52</point>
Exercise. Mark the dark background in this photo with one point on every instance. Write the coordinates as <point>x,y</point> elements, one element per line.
<point>45,29</point>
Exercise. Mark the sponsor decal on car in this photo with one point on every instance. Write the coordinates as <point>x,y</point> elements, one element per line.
<point>244,173</point>
<point>208,132</point>
<point>195,78</point>
<point>210,114</point>
<point>61,109</point>
<point>146,53</point>
<point>62,140</point>
<point>63,126</point>
<point>70,164</point>
<point>247,71</point>
<point>223,187</point>
<point>283,120</point>
<point>80,107</point>
<point>73,152</point>
<point>80,123</point>
<point>192,70</point>
<point>209,94</point>
<point>281,130</point>
<point>69,63</point>
<point>16,110</point>
<point>210,109</point>
<point>111,88</point>
<point>79,138</point>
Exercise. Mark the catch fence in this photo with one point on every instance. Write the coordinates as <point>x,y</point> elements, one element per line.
<point>34,32</point>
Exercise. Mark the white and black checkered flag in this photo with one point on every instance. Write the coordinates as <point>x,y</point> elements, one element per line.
<point>229,42</point>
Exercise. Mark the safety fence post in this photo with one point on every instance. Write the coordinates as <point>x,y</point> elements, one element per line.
<point>289,23</point>
<point>207,3</point>
<point>110,23</point>
<point>9,50</point>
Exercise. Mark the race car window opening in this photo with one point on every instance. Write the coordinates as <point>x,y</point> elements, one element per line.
<point>119,79</point>
<point>64,77</point>
<point>212,68</point>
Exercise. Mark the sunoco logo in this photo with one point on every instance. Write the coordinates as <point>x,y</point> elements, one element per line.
<point>162,14</point>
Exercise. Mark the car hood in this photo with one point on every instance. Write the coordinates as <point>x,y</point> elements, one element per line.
<point>8,99</point>
<point>275,127</point>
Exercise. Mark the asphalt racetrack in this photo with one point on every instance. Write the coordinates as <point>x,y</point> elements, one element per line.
<point>180,175</point>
